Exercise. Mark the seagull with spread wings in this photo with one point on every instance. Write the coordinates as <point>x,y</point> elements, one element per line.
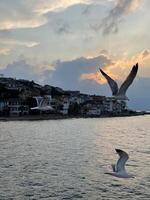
<point>120,93</point>
<point>43,105</point>
<point>119,168</point>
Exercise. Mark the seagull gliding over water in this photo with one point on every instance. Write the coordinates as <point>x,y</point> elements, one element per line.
<point>119,169</point>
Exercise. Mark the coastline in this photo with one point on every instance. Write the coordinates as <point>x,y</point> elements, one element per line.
<point>60,117</point>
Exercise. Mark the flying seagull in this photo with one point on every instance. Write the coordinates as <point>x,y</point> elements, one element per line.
<point>120,93</point>
<point>42,108</point>
<point>43,105</point>
<point>119,168</point>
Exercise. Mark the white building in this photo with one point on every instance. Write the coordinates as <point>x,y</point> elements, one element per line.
<point>112,105</point>
<point>16,107</point>
<point>108,105</point>
<point>65,108</point>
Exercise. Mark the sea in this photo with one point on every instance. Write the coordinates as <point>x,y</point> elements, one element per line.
<point>67,159</point>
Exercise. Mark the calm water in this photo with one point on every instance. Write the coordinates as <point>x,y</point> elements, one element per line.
<point>67,159</point>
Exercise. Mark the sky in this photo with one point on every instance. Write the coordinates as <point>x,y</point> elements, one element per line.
<point>64,43</point>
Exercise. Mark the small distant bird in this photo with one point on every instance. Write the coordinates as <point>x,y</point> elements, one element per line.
<point>121,92</point>
<point>119,168</point>
<point>43,105</point>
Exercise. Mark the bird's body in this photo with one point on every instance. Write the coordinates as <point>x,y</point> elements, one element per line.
<point>119,168</point>
<point>120,175</point>
<point>42,108</point>
<point>120,93</point>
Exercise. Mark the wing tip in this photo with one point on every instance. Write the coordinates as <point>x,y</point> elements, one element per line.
<point>135,67</point>
<point>121,152</point>
<point>118,150</point>
<point>101,70</point>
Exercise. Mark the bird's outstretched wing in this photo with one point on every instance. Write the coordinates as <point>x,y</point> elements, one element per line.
<point>35,108</point>
<point>113,167</point>
<point>113,85</point>
<point>128,80</point>
<point>123,157</point>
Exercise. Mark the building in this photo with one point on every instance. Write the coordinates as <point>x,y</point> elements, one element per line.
<point>92,108</point>
<point>114,106</point>
<point>94,111</point>
<point>65,108</point>
<point>4,110</point>
<point>17,107</point>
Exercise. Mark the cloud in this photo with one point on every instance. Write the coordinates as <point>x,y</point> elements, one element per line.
<point>69,74</point>
<point>13,42</point>
<point>145,54</point>
<point>97,77</point>
<point>30,13</point>
<point>15,24</point>
<point>19,14</point>
<point>119,68</point>
<point>63,73</point>
<point>91,76</point>
<point>75,73</point>
<point>62,27</point>
<point>47,5</point>
<point>19,69</point>
<point>4,51</point>
<point>22,69</point>
<point>122,8</point>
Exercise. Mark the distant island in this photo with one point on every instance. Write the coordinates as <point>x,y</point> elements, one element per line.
<point>26,100</point>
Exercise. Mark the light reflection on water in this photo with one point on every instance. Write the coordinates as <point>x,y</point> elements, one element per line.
<point>67,159</point>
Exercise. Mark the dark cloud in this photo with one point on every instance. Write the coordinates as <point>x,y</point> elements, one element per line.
<point>123,7</point>
<point>60,22</point>
<point>86,11</point>
<point>19,69</point>
<point>62,27</point>
<point>111,22</point>
<point>78,18</point>
<point>67,73</point>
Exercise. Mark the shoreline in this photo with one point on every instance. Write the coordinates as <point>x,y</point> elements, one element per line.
<point>61,117</point>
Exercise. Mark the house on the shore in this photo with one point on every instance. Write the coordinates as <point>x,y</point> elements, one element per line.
<point>4,110</point>
<point>114,106</point>
<point>17,97</point>
<point>65,107</point>
<point>92,108</point>
<point>17,107</point>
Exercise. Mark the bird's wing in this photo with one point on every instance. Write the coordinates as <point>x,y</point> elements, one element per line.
<point>42,103</point>
<point>123,157</point>
<point>128,80</point>
<point>113,167</point>
<point>113,85</point>
<point>46,108</point>
<point>35,108</point>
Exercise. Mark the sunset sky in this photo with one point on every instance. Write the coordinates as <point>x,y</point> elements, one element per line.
<point>64,42</point>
